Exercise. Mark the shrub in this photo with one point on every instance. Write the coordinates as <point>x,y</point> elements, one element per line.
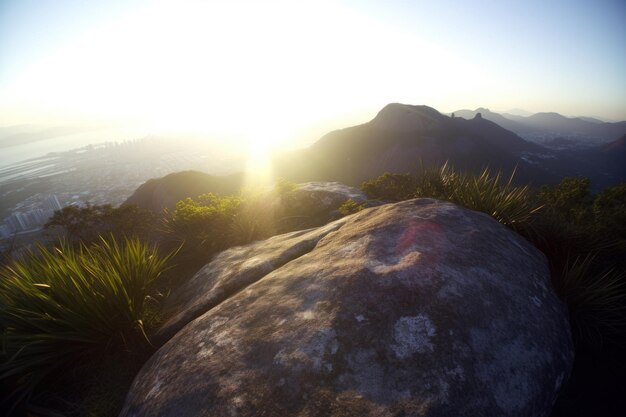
<point>203,225</point>
<point>350,207</point>
<point>87,223</point>
<point>570,199</point>
<point>609,211</point>
<point>511,205</point>
<point>63,306</point>
<point>212,223</point>
<point>256,216</point>
<point>391,187</point>
<point>282,187</point>
<point>583,238</point>
<point>436,182</point>
<point>596,298</point>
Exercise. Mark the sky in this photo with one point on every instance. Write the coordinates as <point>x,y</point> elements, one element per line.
<point>279,71</point>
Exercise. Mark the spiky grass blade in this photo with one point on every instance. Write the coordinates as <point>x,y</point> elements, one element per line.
<point>66,304</point>
<point>596,299</point>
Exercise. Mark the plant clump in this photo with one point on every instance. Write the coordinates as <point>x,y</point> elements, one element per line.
<point>582,235</point>
<point>67,306</point>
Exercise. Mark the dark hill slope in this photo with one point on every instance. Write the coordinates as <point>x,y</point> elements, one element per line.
<point>401,137</point>
<point>557,123</point>
<point>615,155</point>
<point>497,118</point>
<point>159,193</point>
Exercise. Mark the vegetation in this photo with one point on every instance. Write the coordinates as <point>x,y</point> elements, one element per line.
<point>487,192</point>
<point>86,223</point>
<point>392,187</point>
<point>79,314</point>
<point>583,236</point>
<point>202,225</point>
<point>64,308</point>
<point>350,207</point>
<point>211,223</point>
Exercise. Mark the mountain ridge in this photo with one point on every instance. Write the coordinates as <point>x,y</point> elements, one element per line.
<point>545,127</point>
<point>404,138</point>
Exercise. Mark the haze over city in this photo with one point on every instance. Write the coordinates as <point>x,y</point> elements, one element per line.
<point>276,72</point>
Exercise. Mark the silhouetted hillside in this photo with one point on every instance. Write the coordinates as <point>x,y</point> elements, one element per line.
<point>401,137</point>
<point>615,155</point>
<point>618,146</point>
<point>547,127</point>
<point>497,118</point>
<point>159,193</point>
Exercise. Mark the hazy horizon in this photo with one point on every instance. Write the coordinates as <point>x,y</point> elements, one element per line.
<point>275,72</point>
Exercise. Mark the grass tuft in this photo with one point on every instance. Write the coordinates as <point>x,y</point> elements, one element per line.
<point>596,298</point>
<point>65,305</point>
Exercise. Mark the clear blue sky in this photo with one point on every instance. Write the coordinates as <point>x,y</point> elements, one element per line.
<point>314,63</point>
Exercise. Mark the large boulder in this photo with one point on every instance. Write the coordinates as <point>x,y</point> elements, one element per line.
<point>316,203</point>
<point>419,308</point>
<point>329,195</point>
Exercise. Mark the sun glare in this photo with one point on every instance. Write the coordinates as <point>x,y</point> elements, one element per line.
<point>266,71</point>
<point>258,166</point>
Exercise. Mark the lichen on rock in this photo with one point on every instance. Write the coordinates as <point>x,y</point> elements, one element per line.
<point>419,308</point>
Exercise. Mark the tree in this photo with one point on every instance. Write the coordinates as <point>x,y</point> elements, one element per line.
<point>86,223</point>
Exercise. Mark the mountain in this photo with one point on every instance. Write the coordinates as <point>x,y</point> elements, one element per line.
<point>163,193</point>
<point>554,130</point>
<point>507,123</point>
<point>614,154</point>
<point>402,137</point>
<point>517,112</point>
<point>591,119</point>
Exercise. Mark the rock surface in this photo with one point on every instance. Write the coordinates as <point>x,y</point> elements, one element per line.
<point>418,308</point>
<point>319,201</point>
<point>331,194</point>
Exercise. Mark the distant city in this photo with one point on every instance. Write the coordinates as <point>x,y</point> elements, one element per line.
<point>107,173</point>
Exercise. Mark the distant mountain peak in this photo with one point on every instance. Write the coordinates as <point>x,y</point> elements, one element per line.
<point>407,118</point>
<point>548,115</point>
<point>517,112</point>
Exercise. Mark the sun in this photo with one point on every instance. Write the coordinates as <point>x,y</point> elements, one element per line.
<point>265,74</point>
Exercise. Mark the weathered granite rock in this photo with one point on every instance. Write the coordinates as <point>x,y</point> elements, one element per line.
<point>319,201</point>
<point>330,194</point>
<point>418,308</point>
<point>233,270</point>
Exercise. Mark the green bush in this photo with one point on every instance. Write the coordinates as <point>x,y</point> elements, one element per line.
<point>570,199</point>
<point>350,207</point>
<point>609,211</point>
<point>390,187</point>
<point>65,306</point>
<point>283,188</point>
<point>583,237</point>
<point>203,225</point>
<point>596,298</point>
<point>86,223</point>
<point>510,205</point>
<point>265,212</point>
<point>256,216</point>
<point>211,223</point>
